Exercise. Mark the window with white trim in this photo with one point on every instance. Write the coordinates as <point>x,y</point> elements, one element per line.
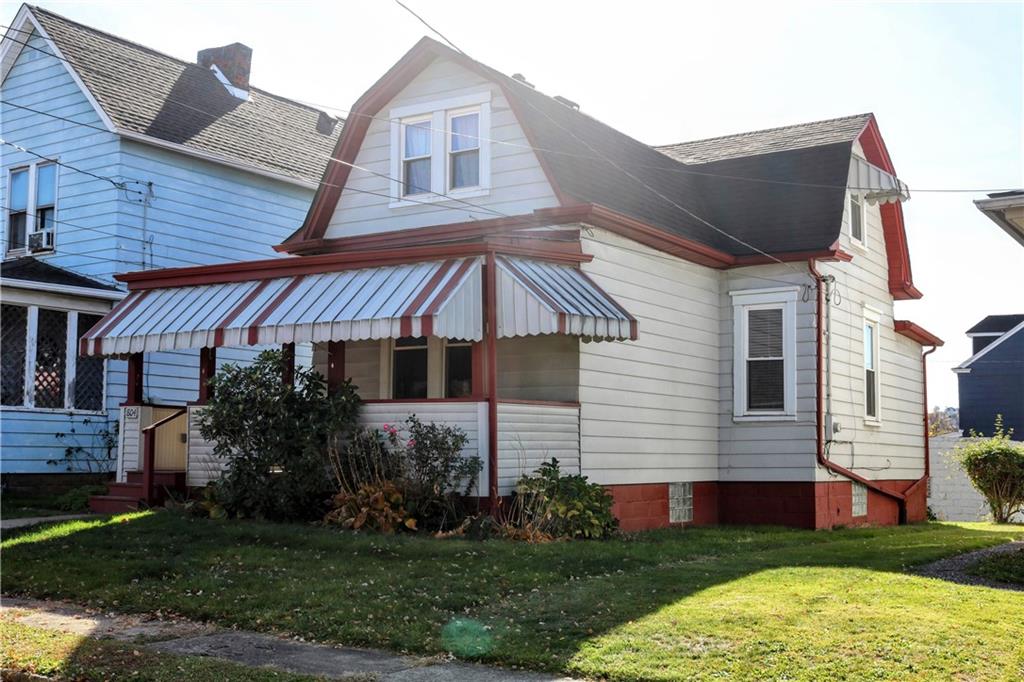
<point>872,384</point>
<point>764,358</point>
<point>857,219</point>
<point>439,150</point>
<point>40,364</point>
<point>31,208</point>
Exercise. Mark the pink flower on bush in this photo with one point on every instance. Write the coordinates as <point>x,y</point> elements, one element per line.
<point>411,443</point>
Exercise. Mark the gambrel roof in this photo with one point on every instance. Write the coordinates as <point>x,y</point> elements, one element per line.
<point>147,93</point>
<point>780,191</point>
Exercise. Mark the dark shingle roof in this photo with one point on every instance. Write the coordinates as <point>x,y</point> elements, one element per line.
<point>786,138</point>
<point>996,324</point>
<point>755,205</point>
<point>29,269</point>
<point>145,91</point>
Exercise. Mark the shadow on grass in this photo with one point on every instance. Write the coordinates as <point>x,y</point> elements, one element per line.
<point>562,606</point>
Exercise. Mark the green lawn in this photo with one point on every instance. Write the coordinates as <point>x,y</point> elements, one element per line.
<point>1004,568</point>
<point>73,657</point>
<point>702,603</point>
<point>12,507</point>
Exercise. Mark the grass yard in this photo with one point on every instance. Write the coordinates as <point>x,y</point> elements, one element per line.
<point>12,507</point>
<point>1004,568</point>
<point>73,657</point>
<point>702,603</point>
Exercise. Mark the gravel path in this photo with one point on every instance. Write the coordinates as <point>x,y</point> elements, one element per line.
<point>954,568</point>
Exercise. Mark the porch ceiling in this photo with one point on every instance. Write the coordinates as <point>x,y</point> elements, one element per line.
<point>433,298</point>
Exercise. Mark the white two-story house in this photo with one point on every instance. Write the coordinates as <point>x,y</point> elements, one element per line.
<point>705,328</point>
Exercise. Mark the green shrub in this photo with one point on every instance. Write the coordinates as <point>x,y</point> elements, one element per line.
<point>275,438</point>
<point>995,466</point>
<point>77,499</point>
<point>559,505</point>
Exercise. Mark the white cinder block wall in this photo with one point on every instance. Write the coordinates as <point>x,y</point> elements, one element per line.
<point>951,497</point>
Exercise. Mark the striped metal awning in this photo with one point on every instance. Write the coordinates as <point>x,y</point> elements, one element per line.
<point>537,297</point>
<point>435,298</point>
<point>874,184</point>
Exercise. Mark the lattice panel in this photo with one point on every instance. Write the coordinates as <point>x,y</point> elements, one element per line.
<point>88,371</point>
<point>51,356</point>
<point>14,320</point>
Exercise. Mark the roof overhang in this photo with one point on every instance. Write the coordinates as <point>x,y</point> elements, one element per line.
<point>965,366</point>
<point>439,297</point>
<point>1007,212</point>
<point>917,333</point>
<point>65,289</point>
<point>875,185</point>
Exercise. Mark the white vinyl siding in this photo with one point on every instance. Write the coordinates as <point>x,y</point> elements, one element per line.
<point>517,181</point>
<point>649,408</point>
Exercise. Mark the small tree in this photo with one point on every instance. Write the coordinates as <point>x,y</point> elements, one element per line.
<point>995,466</point>
<point>274,438</point>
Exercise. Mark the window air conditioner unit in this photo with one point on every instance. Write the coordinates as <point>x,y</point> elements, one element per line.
<point>40,241</point>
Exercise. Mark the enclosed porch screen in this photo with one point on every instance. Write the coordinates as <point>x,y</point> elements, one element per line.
<point>442,298</point>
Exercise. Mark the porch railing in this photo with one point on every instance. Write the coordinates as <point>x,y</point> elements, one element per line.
<point>149,434</point>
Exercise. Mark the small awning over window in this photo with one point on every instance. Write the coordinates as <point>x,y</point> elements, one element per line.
<point>536,297</point>
<point>439,298</point>
<point>875,185</point>
<point>436,298</point>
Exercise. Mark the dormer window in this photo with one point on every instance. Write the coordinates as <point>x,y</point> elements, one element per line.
<point>857,219</point>
<point>439,150</point>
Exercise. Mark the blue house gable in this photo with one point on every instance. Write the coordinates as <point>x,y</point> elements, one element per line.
<point>118,158</point>
<point>991,381</point>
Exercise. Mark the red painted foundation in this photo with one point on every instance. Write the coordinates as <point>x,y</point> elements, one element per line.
<point>796,504</point>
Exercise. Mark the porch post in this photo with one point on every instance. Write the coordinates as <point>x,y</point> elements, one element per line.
<point>335,366</point>
<point>288,373</point>
<point>207,368</point>
<point>135,370</point>
<point>491,345</point>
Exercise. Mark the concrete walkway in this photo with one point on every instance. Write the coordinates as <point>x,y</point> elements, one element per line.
<point>7,524</point>
<point>188,638</point>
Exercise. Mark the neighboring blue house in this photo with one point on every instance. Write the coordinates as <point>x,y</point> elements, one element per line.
<point>116,158</point>
<point>992,380</point>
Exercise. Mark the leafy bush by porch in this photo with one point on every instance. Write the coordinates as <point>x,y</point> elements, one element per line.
<point>274,438</point>
<point>995,466</point>
<point>549,504</point>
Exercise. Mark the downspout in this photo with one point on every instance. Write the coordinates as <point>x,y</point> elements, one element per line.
<point>823,461</point>
<point>927,446</point>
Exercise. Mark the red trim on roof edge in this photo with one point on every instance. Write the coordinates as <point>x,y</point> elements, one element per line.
<point>901,284</point>
<point>917,333</point>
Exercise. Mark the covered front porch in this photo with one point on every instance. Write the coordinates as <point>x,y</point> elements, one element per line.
<point>488,342</point>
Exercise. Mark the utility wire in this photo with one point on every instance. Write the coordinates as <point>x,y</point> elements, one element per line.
<point>434,30</point>
<point>118,184</point>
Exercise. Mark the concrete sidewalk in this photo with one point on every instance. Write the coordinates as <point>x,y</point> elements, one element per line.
<point>7,524</point>
<point>253,649</point>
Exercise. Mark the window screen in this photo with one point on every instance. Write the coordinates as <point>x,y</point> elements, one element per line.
<point>416,157</point>
<point>51,355</point>
<point>88,371</point>
<point>465,150</point>
<point>766,386</point>
<point>458,369</point>
<point>870,371</point>
<point>14,319</point>
<point>409,368</point>
<point>856,219</point>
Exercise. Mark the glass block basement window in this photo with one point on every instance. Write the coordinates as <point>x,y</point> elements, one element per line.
<point>680,502</point>
<point>860,499</point>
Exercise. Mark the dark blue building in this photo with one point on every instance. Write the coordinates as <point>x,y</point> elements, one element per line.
<point>992,380</point>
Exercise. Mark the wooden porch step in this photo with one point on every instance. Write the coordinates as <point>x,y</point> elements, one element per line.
<point>113,504</point>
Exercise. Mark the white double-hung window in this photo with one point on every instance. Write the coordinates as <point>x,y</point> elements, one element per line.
<point>440,150</point>
<point>764,353</point>
<point>31,208</point>
<point>872,383</point>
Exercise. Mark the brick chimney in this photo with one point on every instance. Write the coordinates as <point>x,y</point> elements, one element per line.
<point>233,60</point>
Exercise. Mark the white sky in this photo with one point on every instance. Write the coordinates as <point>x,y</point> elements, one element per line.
<point>944,80</point>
